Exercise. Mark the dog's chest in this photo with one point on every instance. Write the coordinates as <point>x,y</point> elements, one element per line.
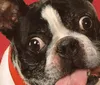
<point>5,78</point>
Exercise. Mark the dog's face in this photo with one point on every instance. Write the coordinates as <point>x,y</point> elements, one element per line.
<point>56,42</point>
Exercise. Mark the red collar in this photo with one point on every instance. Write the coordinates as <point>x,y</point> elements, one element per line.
<point>14,73</point>
<point>29,2</point>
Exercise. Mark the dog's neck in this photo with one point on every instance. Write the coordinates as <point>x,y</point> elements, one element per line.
<point>14,72</point>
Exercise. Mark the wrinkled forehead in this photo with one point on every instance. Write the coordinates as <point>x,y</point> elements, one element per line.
<point>59,10</point>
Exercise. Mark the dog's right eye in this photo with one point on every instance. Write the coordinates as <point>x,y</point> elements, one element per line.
<point>36,44</point>
<point>85,23</point>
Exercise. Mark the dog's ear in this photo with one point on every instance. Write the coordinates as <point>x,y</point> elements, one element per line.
<point>10,12</point>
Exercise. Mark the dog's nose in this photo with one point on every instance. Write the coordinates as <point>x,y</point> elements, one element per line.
<point>68,46</point>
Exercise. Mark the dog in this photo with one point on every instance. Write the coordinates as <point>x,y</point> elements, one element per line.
<point>53,42</point>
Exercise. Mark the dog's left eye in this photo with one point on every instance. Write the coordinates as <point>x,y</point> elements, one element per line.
<point>36,44</point>
<point>85,23</point>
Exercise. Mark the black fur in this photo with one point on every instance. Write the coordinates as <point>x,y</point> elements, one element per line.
<point>30,24</point>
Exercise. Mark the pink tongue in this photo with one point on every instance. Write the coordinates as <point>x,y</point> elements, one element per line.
<point>79,77</point>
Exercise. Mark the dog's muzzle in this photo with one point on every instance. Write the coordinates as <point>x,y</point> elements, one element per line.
<point>69,48</point>
<point>72,52</point>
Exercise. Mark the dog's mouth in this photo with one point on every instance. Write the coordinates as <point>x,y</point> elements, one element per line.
<point>79,77</point>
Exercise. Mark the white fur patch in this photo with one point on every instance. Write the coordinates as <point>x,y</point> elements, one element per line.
<point>91,57</point>
<point>5,76</point>
<point>60,31</point>
<point>57,28</point>
<point>55,23</point>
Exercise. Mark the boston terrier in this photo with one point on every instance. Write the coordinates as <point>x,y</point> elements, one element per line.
<point>53,42</point>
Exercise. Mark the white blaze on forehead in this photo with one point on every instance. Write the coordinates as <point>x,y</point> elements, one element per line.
<point>56,27</point>
<point>54,20</point>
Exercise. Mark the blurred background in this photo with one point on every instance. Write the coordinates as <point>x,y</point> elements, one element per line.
<point>4,42</point>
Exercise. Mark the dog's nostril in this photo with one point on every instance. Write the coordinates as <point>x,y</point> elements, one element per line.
<point>68,46</point>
